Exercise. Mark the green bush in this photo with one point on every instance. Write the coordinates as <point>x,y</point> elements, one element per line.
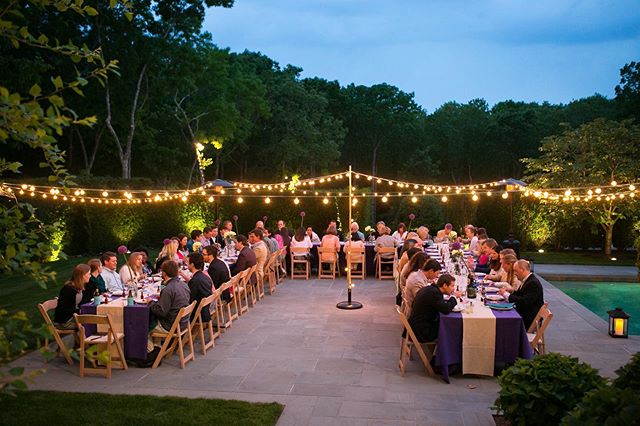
<point>542,390</point>
<point>629,375</point>
<point>607,406</point>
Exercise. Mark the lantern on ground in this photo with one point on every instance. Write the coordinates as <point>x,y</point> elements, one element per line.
<point>618,323</point>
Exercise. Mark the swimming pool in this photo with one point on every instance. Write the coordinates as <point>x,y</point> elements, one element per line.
<point>600,297</point>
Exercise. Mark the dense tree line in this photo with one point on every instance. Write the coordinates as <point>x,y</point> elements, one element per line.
<point>261,121</point>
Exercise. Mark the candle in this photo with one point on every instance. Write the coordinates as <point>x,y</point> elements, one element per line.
<point>618,326</point>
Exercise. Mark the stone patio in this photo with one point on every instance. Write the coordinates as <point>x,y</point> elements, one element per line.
<point>330,366</point>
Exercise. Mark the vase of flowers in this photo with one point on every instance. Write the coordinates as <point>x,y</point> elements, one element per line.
<point>230,243</point>
<point>369,229</point>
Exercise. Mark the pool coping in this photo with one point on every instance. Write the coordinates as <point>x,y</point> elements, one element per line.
<point>590,278</point>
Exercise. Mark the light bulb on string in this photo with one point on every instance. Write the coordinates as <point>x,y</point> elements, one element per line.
<point>325,200</point>
<point>267,200</point>
<point>444,199</point>
<point>614,183</point>
<point>240,200</point>
<point>505,195</point>
<point>414,199</point>
<point>475,197</point>
<point>296,201</point>
<point>385,199</point>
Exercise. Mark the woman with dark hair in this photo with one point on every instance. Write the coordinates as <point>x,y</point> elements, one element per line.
<point>301,240</point>
<point>183,250</point>
<point>400,234</point>
<point>70,297</point>
<point>355,242</point>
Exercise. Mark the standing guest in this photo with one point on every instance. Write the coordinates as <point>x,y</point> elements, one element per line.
<point>183,250</point>
<point>400,234</point>
<point>284,232</point>
<point>205,238</point>
<point>173,297</point>
<point>355,229</point>
<point>96,280</point>
<point>470,234</point>
<point>271,243</point>
<point>195,236</point>
<point>313,237</point>
<point>529,298</point>
<point>200,285</point>
<point>218,269</point>
<point>416,280</point>
<point>131,272</point>
<point>147,268</point>
<point>261,251</point>
<point>429,304</point>
<point>387,241</point>
<point>246,258</point>
<point>330,240</point>
<point>168,252</point>
<point>111,278</point>
<point>70,298</point>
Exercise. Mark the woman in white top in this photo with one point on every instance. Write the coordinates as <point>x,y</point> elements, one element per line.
<point>301,240</point>
<point>131,272</point>
<point>400,234</point>
<point>312,235</point>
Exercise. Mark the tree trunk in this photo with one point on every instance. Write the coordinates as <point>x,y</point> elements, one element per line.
<point>608,239</point>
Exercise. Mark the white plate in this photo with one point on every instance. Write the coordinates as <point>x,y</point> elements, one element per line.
<point>459,308</point>
<point>491,289</point>
<point>495,297</point>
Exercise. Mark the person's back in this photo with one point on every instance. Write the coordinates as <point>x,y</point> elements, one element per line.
<point>427,307</point>
<point>387,241</point>
<point>173,297</point>
<point>330,240</point>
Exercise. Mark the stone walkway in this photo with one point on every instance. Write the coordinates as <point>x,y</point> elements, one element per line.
<point>588,272</point>
<point>330,366</point>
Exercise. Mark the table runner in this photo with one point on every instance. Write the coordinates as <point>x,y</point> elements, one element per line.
<point>478,341</point>
<point>115,311</point>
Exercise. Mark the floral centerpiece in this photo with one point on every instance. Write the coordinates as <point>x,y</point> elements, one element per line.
<point>452,236</point>
<point>457,258</point>
<point>369,229</point>
<point>230,237</point>
<point>197,247</point>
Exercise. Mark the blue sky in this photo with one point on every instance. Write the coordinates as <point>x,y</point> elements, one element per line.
<point>526,50</point>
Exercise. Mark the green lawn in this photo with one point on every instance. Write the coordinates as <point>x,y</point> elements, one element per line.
<point>581,258</point>
<point>38,408</point>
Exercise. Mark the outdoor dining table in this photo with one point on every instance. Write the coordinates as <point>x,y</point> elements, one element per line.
<point>510,339</point>
<point>135,325</point>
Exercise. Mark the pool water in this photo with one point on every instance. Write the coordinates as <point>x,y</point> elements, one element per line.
<point>600,297</point>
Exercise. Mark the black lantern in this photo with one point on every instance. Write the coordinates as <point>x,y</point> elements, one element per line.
<point>618,323</point>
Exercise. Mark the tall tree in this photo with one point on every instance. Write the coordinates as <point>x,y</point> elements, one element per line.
<point>628,91</point>
<point>592,155</point>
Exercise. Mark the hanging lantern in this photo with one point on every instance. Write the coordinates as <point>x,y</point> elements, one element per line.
<point>618,323</point>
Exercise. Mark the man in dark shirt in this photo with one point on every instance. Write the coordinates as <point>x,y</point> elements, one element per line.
<point>200,285</point>
<point>427,306</point>
<point>246,258</point>
<point>529,298</point>
<point>218,270</point>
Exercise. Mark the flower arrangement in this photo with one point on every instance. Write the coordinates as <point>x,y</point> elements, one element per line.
<point>453,235</point>
<point>123,250</point>
<point>235,220</point>
<point>197,246</point>
<point>411,219</point>
<point>302,215</point>
<point>229,236</point>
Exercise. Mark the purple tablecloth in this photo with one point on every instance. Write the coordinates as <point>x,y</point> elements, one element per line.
<point>136,329</point>
<point>511,340</point>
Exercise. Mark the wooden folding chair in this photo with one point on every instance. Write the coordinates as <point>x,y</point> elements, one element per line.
<point>300,256</point>
<point>331,254</point>
<point>57,334</point>
<point>408,341</point>
<point>241,292</point>
<point>252,290</point>
<point>270,271</point>
<point>383,258</point>
<point>175,338</point>
<point>357,253</point>
<point>225,306</point>
<point>281,270</point>
<point>535,334</point>
<point>108,338</point>
<point>198,327</point>
<point>259,290</point>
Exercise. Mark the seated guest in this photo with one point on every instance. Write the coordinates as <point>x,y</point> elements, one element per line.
<point>270,242</point>
<point>200,285</point>
<point>495,275</point>
<point>70,298</point>
<point>418,279</point>
<point>301,240</point>
<point>216,238</point>
<point>387,241</point>
<point>173,297</point>
<point>195,236</point>
<point>400,234</point>
<point>404,258</point>
<point>261,251</point>
<point>444,234</point>
<point>472,240</point>
<point>259,224</point>
<point>416,238</point>
<point>379,227</point>
<point>206,237</point>
<point>226,227</point>
<point>507,278</point>
<point>486,251</point>
<point>330,240</point>
<point>423,233</point>
<point>278,237</point>
<point>218,270</point>
<point>147,268</point>
<point>96,280</point>
<point>429,304</point>
<point>482,235</point>
<point>355,242</point>
<point>355,229</point>
<point>168,252</point>
<point>111,278</point>
<point>284,232</point>
<point>246,258</point>
<point>312,235</point>
<point>183,251</point>
<point>131,272</point>
<point>529,298</point>
<point>335,225</point>
<point>417,259</point>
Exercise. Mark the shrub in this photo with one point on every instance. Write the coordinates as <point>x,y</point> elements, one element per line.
<point>542,390</point>
<point>606,406</point>
<point>629,375</point>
